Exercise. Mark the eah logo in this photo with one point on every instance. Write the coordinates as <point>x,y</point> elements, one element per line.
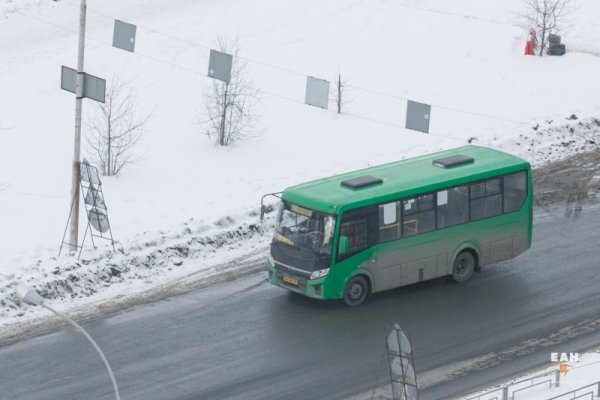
<point>562,359</point>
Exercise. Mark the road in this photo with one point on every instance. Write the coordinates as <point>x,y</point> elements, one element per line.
<point>245,339</point>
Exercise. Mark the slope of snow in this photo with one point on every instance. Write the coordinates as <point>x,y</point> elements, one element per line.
<point>463,57</point>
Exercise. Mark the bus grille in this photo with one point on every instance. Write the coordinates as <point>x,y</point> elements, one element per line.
<point>299,277</point>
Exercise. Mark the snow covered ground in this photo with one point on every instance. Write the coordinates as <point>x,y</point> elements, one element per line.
<point>581,380</point>
<point>581,377</point>
<point>463,57</point>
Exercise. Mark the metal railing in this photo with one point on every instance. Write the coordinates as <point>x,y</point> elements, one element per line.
<point>594,386</point>
<point>503,391</point>
<point>532,385</point>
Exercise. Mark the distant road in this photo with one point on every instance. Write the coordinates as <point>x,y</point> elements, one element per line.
<point>248,340</point>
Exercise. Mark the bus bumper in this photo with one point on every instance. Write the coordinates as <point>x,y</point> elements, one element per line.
<point>313,288</point>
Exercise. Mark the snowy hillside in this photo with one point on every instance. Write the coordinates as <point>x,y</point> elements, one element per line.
<point>464,57</point>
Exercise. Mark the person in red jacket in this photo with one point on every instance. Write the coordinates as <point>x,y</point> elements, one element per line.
<point>531,44</point>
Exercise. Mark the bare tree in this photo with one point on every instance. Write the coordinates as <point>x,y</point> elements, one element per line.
<point>230,106</point>
<point>339,97</point>
<point>114,129</point>
<point>546,17</point>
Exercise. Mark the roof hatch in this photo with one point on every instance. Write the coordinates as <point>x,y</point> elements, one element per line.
<point>453,161</point>
<point>361,181</point>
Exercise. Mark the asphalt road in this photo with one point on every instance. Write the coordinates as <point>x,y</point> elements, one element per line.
<point>245,339</point>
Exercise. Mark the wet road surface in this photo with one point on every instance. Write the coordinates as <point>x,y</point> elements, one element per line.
<point>248,340</point>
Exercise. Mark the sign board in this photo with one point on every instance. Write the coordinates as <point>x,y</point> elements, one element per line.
<point>317,92</point>
<point>401,360</point>
<point>90,174</point>
<point>93,87</point>
<point>95,207</point>
<point>98,220</point>
<point>219,66</point>
<point>124,36</point>
<point>94,198</point>
<point>418,116</point>
<point>67,79</point>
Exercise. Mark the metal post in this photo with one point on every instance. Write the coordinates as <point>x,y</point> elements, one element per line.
<point>89,338</point>
<point>66,228</point>
<point>73,240</point>
<point>557,378</point>
<point>505,393</point>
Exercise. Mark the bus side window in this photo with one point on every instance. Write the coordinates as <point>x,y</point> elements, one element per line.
<point>452,206</point>
<point>418,215</point>
<point>515,191</point>
<point>360,227</point>
<point>389,222</point>
<point>486,199</point>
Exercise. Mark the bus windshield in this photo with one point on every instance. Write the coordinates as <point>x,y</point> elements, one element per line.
<point>305,229</point>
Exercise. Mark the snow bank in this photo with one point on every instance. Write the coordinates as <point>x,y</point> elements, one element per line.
<point>152,263</point>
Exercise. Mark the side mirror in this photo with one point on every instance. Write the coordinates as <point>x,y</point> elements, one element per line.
<point>343,245</point>
<point>267,208</point>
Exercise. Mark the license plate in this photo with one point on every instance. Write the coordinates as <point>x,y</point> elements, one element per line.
<point>290,280</point>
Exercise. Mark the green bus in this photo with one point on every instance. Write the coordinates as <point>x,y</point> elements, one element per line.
<point>443,214</point>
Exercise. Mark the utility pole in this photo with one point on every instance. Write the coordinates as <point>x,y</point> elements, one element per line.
<point>74,234</point>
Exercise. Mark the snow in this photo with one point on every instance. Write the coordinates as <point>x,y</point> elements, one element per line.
<point>463,57</point>
<point>581,377</point>
<point>539,384</point>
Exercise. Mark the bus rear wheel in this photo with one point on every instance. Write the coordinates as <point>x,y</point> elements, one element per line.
<point>464,265</point>
<point>356,291</point>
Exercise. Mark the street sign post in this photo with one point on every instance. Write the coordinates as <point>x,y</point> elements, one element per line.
<point>317,92</point>
<point>124,36</point>
<point>93,87</point>
<point>418,116</point>
<point>219,66</point>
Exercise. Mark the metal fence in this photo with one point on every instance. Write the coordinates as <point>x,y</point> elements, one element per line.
<point>592,390</point>
<point>516,390</point>
<point>513,390</point>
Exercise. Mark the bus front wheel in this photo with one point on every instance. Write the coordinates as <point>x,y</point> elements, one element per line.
<point>464,265</point>
<point>356,291</point>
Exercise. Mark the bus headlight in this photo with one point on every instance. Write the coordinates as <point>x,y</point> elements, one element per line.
<point>319,273</point>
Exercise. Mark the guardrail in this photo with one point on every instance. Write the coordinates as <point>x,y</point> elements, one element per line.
<point>594,386</point>
<point>548,381</point>
<point>502,393</point>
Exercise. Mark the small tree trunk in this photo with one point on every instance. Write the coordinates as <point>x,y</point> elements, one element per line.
<point>543,42</point>
<point>223,117</point>
<point>108,139</point>
<point>109,161</point>
<point>545,17</point>
<point>339,94</point>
